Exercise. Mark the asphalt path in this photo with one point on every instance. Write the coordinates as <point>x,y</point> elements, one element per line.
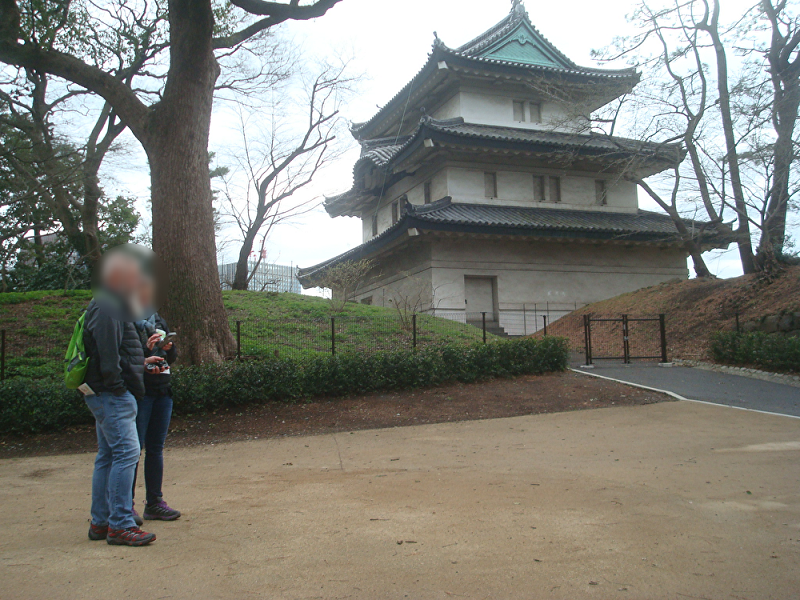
<point>708,386</point>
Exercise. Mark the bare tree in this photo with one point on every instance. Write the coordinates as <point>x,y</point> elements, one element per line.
<point>416,295</point>
<point>783,58</point>
<point>173,129</point>
<point>719,116</point>
<point>279,163</point>
<point>65,176</point>
<point>343,280</point>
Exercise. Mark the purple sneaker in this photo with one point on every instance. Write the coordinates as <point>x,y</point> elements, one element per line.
<point>160,512</point>
<point>137,518</point>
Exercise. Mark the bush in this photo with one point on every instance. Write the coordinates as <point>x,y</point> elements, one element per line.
<point>773,352</point>
<point>33,406</point>
<point>36,406</point>
<point>292,379</point>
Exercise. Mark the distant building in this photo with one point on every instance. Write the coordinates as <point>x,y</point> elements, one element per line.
<point>479,182</point>
<point>267,278</point>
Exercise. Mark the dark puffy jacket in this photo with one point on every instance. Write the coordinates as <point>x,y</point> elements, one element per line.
<point>157,384</point>
<point>116,359</point>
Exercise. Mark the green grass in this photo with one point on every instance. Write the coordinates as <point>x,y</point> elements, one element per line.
<point>39,325</point>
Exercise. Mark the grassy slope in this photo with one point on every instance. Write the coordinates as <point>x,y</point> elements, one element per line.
<point>39,325</point>
<point>695,309</point>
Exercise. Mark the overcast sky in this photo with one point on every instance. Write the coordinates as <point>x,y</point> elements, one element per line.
<point>390,40</point>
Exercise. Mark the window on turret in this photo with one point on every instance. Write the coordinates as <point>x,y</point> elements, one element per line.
<point>555,189</point>
<point>427,193</point>
<point>374,225</point>
<point>395,211</point>
<point>536,112</point>
<point>490,184</point>
<point>538,188</point>
<point>519,111</point>
<point>600,192</point>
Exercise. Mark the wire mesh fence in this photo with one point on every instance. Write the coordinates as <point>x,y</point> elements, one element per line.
<point>32,354</point>
<point>624,337</point>
<point>38,353</point>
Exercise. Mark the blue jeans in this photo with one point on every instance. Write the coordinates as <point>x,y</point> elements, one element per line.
<point>152,423</point>
<point>117,453</point>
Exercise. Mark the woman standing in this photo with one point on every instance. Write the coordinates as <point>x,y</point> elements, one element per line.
<point>155,411</point>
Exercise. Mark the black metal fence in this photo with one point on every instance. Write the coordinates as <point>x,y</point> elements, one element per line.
<point>40,354</point>
<point>625,338</point>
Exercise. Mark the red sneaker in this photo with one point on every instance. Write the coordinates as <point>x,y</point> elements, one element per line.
<point>132,536</point>
<point>97,532</point>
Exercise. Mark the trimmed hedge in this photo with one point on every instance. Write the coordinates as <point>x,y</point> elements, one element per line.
<point>31,406</point>
<point>289,380</point>
<point>36,405</point>
<point>773,352</point>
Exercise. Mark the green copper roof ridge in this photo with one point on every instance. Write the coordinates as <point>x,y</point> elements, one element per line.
<point>525,34</point>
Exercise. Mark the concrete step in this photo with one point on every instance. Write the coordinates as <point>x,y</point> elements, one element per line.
<point>492,327</point>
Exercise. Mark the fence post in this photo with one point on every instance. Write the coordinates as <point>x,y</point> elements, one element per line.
<point>483,319</point>
<point>626,350</point>
<point>238,340</point>
<point>663,326</point>
<point>544,318</point>
<point>333,336</point>
<point>586,339</point>
<point>414,331</point>
<point>738,330</point>
<point>524,321</point>
<point>2,355</point>
<point>589,359</point>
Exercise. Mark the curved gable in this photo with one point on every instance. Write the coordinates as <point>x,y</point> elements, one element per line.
<point>525,45</point>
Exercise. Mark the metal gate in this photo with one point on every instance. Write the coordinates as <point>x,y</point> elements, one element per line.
<point>626,338</point>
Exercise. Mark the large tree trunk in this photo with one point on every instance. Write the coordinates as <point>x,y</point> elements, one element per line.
<point>92,193</point>
<point>183,218</point>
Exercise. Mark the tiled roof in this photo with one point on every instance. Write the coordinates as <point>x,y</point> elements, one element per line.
<point>549,138</point>
<point>471,52</point>
<point>542,221</point>
<point>545,218</point>
<point>381,153</point>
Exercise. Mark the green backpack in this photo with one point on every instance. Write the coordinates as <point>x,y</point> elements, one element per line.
<point>76,362</point>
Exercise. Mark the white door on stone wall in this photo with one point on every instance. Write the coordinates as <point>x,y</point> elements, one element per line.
<point>479,294</point>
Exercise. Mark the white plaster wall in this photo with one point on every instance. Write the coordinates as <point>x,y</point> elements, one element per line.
<point>485,107</point>
<point>515,188</point>
<point>414,189</point>
<point>558,272</point>
<point>450,109</point>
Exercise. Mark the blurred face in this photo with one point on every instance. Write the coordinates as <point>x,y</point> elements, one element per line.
<point>122,275</point>
<point>126,273</point>
<point>146,291</point>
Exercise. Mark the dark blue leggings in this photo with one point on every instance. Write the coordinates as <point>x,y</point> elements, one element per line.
<point>152,423</point>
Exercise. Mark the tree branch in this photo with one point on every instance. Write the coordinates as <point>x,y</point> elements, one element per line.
<point>275,13</point>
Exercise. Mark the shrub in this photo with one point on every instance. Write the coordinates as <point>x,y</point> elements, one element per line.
<point>774,352</point>
<point>205,387</point>
<point>33,406</point>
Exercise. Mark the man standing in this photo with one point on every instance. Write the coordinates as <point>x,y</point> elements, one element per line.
<point>115,381</point>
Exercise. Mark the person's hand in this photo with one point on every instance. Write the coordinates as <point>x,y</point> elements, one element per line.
<point>152,360</point>
<point>167,347</point>
<point>153,340</point>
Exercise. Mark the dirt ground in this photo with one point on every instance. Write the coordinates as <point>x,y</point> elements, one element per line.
<point>492,399</point>
<point>670,500</point>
